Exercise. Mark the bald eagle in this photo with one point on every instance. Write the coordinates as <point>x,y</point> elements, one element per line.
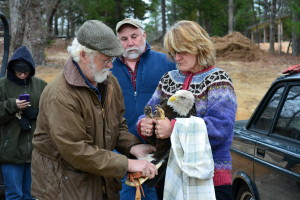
<point>179,105</point>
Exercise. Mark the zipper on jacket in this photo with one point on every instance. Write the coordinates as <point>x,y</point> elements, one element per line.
<point>6,140</point>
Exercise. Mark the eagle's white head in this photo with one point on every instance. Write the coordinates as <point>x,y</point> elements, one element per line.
<point>182,102</point>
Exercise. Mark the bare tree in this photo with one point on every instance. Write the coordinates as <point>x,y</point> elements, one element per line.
<point>230,16</point>
<point>163,17</point>
<point>266,9</point>
<point>17,22</point>
<point>272,26</point>
<point>174,17</point>
<point>56,32</point>
<point>118,10</point>
<point>295,31</point>
<point>27,27</point>
<point>50,7</point>
<point>34,35</point>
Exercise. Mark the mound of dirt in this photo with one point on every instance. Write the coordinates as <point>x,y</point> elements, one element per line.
<point>237,47</point>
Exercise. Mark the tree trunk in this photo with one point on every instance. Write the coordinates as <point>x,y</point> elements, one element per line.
<point>272,26</point>
<point>266,9</point>
<point>50,10</point>
<point>295,30</point>
<point>69,21</point>
<point>34,37</point>
<point>118,10</point>
<point>230,16</point>
<point>163,16</point>
<point>56,32</point>
<point>17,23</point>
<point>62,25</point>
<point>173,13</point>
<point>27,27</point>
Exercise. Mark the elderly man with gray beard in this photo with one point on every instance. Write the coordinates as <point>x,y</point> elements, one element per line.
<point>138,71</point>
<point>80,123</point>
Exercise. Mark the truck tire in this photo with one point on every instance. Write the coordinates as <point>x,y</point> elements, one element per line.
<point>244,193</point>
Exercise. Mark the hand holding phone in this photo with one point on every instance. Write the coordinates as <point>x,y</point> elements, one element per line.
<point>25,97</point>
<point>21,104</point>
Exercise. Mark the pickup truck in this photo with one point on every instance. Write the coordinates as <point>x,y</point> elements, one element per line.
<point>266,148</point>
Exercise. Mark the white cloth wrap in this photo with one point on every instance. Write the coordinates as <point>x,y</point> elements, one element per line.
<point>190,168</point>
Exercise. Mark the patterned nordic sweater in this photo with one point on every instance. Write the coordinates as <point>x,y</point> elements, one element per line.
<point>215,103</point>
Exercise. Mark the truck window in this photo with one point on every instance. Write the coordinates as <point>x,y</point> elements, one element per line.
<point>288,123</point>
<point>264,121</point>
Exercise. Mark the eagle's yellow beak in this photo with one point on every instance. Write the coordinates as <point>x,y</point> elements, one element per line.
<point>173,98</point>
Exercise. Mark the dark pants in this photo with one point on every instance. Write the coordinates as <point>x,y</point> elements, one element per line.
<point>223,192</point>
<point>160,189</point>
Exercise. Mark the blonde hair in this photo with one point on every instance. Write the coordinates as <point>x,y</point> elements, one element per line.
<point>188,36</point>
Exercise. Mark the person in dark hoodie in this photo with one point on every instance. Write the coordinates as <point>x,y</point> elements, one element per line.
<point>17,123</point>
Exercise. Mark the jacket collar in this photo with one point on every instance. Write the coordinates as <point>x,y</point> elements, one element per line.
<point>72,74</point>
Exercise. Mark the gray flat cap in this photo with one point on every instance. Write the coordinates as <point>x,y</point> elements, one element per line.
<point>97,36</point>
<point>131,21</point>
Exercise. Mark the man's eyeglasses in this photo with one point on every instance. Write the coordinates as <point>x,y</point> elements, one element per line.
<point>105,62</point>
<point>20,73</point>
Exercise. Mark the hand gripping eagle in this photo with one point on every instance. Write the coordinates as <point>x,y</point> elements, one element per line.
<point>179,105</point>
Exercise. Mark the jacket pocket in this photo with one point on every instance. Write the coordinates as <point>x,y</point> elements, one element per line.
<point>79,185</point>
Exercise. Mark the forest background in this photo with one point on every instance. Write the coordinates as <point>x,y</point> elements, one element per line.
<point>46,27</point>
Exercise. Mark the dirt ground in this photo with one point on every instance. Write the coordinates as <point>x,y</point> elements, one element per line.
<point>251,68</point>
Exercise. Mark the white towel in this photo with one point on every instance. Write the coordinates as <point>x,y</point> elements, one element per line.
<point>190,167</point>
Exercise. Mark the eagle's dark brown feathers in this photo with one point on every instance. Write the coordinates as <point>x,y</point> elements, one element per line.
<point>180,105</point>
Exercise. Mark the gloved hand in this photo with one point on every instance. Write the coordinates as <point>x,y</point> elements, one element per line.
<point>24,123</point>
<point>31,112</point>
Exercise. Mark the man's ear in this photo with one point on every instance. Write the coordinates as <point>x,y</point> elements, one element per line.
<point>83,56</point>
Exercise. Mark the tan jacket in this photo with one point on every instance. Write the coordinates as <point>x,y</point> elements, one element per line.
<point>73,142</point>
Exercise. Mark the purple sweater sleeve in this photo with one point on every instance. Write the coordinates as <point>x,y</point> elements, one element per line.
<point>220,114</point>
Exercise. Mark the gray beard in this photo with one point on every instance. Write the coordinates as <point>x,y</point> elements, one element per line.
<point>100,76</point>
<point>134,54</point>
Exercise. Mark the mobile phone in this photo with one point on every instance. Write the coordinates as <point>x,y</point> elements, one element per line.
<point>25,97</point>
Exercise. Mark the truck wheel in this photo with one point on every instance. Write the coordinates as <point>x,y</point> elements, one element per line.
<point>245,193</point>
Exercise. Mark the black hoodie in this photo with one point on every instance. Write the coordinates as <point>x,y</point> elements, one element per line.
<point>16,144</point>
<point>22,53</point>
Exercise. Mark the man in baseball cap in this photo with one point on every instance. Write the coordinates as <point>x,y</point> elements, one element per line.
<point>144,67</point>
<point>80,123</point>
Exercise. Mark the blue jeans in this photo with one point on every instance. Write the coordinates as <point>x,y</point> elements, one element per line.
<point>17,181</point>
<point>128,192</point>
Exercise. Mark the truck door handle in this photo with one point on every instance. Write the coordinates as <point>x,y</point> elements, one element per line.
<point>260,152</point>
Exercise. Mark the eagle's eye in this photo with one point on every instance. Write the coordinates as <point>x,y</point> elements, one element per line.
<point>182,97</point>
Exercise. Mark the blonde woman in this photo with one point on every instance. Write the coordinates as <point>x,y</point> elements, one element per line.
<point>190,46</point>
